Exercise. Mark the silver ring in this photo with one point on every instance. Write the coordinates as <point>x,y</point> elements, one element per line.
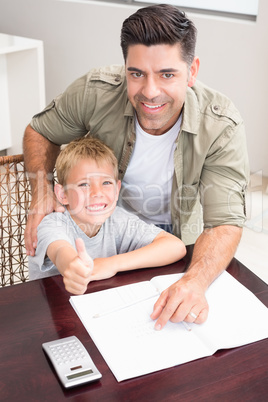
<point>193,315</point>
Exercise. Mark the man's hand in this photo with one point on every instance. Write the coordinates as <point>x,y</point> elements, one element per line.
<point>78,273</point>
<point>43,202</point>
<point>183,301</point>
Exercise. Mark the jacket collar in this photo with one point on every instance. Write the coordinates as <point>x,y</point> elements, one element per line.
<point>191,113</point>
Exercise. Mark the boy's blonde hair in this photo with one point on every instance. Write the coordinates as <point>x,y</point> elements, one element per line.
<point>83,148</point>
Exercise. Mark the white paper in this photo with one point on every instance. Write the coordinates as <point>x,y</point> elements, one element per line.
<point>131,347</point>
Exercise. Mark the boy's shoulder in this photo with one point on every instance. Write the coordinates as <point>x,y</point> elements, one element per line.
<point>55,218</point>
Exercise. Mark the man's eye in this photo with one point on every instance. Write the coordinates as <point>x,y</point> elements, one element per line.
<point>168,75</point>
<point>107,183</point>
<point>137,75</point>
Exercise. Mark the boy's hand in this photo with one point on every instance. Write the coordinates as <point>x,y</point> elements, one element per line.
<point>78,274</point>
<point>82,253</point>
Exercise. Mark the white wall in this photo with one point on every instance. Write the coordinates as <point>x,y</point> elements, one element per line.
<point>78,36</point>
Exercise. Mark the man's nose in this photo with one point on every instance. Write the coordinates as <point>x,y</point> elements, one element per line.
<point>151,88</point>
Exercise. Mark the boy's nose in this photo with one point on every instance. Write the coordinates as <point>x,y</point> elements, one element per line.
<point>95,190</point>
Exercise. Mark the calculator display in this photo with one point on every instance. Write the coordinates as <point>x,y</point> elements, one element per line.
<point>72,376</point>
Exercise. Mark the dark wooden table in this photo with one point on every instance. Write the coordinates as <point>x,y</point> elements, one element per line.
<point>39,311</point>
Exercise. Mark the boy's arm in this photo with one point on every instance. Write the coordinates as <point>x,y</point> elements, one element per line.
<point>74,265</point>
<point>164,249</point>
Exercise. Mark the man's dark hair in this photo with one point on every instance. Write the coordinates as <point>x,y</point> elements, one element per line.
<point>159,24</point>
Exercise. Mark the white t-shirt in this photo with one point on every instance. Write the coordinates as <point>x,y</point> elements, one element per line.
<point>146,186</point>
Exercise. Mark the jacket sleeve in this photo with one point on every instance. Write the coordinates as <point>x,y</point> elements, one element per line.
<point>224,179</point>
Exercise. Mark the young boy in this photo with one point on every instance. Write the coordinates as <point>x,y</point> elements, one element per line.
<point>93,239</point>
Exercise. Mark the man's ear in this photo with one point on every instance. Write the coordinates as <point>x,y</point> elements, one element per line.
<point>193,71</point>
<point>60,194</point>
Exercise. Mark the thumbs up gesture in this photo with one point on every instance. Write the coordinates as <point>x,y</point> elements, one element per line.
<point>83,255</point>
<point>78,271</point>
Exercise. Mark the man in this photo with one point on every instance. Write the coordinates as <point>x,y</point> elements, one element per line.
<point>179,145</point>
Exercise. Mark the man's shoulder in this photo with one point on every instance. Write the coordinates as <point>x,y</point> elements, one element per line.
<point>113,75</point>
<point>214,103</point>
<point>204,91</point>
<point>110,78</point>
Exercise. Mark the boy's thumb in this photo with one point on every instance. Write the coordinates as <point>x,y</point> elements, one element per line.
<point>82,253</point>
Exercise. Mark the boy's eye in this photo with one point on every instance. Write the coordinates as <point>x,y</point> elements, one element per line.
<point>83,185</point>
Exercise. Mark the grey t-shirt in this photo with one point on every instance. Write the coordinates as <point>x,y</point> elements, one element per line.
<point>120,233</point>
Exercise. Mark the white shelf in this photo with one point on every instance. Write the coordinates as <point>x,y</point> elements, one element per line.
<point>22,88</point>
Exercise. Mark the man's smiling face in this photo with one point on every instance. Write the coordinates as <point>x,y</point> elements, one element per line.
<point>157,81</point>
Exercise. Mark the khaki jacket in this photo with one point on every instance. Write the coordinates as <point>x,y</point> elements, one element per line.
<point>210,159</point>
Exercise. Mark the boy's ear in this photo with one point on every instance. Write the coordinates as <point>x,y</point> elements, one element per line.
<point>118,189</point>
<point>60,194</point>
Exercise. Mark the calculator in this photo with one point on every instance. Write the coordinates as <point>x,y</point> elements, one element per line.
<point>71,361</point>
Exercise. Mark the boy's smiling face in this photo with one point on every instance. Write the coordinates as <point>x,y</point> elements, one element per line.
<point>90,194</point>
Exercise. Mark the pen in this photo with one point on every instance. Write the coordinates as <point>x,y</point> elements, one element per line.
<point>101,314</point>
<point>186,326</point>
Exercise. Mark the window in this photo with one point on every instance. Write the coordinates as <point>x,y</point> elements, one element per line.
<point>246,7</point>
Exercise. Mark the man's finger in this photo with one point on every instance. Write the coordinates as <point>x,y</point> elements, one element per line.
<point>30,234</point>
<point>164,308</point>
<point>82,253</point>
<point>159,305</point>
<point>164,317</point>
<point>202,316</point>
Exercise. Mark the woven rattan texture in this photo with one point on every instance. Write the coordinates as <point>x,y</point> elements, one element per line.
<point>14,202</point>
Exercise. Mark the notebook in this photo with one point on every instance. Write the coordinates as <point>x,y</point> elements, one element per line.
<point>118,321</point>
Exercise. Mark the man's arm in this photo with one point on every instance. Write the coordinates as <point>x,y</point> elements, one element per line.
<point>39,155</point>
<point>212,253</point>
